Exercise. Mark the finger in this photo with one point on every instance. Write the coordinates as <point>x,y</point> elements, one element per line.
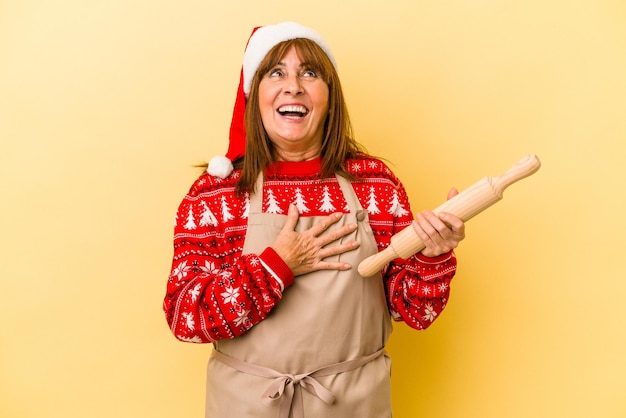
<point>434,242</point>
<point>320,265</point>
<point>338,249</point>
<point>419,225</point>
<point>336,234</point>
<point>453,192</point>
<point>325,223</point>
<point>455,223</point>
<point>432,225</point>
<point>292,218</point>
<point>325,265</point>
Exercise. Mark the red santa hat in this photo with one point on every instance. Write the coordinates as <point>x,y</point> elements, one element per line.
<point>262,40</point>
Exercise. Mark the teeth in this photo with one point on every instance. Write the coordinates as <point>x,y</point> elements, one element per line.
<point>292,109</point>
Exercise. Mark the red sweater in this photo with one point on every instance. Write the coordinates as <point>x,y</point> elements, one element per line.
<point>215,292</point>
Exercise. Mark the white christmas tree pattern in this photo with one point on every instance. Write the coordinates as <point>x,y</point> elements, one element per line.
<point>207,216</point>
<point>246,206</point>
<point>191,223</point>
<point>226,215</point>
<point>327,202</point>
<point>272,204</point>
<point>396,208</point>
<point>372,203</point>
<point>300,202</point>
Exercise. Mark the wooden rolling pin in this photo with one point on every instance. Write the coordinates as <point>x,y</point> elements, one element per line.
<point>464,205</point>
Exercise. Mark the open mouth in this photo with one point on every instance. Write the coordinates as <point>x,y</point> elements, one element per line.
<point>293,111</point>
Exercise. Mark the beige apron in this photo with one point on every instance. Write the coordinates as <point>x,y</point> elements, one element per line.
<point>320,352</point>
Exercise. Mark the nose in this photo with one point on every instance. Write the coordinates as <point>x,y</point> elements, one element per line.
<point>293,85</point>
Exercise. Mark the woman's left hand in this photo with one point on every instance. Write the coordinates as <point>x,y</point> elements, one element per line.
<point>440,234</point>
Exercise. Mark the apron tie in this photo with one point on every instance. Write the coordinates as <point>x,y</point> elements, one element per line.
<point>286,388</point>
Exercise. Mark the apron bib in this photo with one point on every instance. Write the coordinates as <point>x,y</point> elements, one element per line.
<point>320,352</point>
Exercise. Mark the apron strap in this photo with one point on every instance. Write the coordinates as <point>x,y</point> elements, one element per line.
<point>256,198</point>
<point>287,388</point>
<point>349,194</point>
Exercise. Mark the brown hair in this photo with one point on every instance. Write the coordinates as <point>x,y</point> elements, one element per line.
<point>337,142</point>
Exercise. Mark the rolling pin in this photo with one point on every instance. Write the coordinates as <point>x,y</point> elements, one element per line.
<point>465,205</point>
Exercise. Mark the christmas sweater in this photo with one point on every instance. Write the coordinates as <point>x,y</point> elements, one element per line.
<point>214,292</point>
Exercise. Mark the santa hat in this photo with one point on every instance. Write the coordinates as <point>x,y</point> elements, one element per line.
<point>262,40</point>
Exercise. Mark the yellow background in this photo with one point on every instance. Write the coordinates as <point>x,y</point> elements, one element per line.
<point>104,107</point>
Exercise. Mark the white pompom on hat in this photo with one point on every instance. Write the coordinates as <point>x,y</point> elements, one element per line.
<point>262,40</point>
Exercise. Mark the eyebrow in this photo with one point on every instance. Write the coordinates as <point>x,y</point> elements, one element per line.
<point>302,64</point>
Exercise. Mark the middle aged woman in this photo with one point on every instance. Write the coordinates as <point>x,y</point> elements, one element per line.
<point>265,255</point>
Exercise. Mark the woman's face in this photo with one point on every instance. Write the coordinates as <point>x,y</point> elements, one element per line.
<point>293,102</point>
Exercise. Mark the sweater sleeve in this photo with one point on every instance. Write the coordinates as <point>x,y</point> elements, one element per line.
<point>213,291</point>
<point>417,288</point>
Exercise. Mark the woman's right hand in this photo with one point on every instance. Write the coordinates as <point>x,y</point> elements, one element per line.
<point>305,251</point>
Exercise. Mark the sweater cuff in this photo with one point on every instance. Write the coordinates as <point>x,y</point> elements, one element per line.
<point>434,260</point>
<point>277,267</point>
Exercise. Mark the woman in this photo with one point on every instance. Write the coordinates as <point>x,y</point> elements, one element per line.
<point>265,255</point>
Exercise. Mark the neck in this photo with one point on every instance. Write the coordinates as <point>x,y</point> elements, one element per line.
<point>296,156</point>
